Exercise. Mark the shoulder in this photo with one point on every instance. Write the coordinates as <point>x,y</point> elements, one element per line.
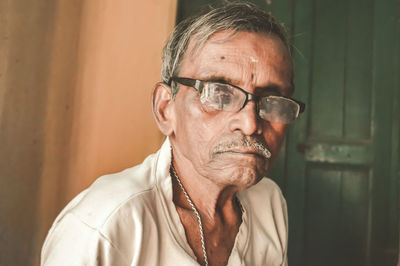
<point>109,193</point>
<point>80,235</point>
<point>106,220</point>
<point>72,242</point>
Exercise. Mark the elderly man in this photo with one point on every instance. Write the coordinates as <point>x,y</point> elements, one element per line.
<point>224,105</point>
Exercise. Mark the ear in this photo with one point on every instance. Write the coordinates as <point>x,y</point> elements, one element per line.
<point>162,107</point>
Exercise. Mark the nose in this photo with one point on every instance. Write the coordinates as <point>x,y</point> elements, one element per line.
<point>247,120</point>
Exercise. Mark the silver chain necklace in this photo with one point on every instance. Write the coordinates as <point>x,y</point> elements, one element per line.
<point>203,246</point>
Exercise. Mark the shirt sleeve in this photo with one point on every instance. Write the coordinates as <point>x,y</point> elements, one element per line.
<point>73,242</point>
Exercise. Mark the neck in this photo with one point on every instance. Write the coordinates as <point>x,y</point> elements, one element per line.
<point>215,203</point>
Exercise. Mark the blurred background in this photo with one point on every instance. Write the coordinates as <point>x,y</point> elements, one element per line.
<point>75,89</point>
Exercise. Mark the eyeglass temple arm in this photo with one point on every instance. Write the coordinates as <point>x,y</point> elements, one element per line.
<point>195,83</point>
<point>302,106</point>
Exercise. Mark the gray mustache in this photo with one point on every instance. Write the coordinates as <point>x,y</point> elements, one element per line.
<point>258,146</point>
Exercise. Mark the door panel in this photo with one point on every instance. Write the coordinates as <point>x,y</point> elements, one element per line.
<point>333,198</point>
<point>358,69</point>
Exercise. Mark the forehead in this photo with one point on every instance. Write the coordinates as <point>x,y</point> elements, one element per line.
<point>242,57</point>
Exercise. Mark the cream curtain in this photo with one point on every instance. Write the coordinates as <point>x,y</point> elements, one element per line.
<point>75,88</point>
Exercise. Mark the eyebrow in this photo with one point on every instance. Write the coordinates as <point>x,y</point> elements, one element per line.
<point>269,88</point>
<point>219,79</point>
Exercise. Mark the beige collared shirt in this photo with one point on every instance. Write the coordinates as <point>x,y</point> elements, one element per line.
<point>129,218</point>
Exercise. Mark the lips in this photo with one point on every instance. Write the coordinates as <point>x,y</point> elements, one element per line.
<point>244,151</point>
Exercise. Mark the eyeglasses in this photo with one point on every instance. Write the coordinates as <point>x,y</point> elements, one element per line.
<point>227,97</point>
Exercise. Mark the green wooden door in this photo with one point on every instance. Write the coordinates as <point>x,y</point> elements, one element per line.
<point>341,160</point>
<point>339,168</point>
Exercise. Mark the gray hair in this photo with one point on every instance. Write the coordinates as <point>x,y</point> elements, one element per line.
<point>234,16</point>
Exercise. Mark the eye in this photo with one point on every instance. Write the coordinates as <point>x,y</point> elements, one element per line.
<point>223,94</point>
<point>217,96</point>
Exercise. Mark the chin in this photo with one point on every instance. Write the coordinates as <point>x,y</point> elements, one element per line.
<point>232,171</point>
<point>244,178</point>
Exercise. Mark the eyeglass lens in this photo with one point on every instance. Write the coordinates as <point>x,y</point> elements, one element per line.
<point>224,97</point>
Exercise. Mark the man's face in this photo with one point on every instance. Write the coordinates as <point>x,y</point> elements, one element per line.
<point>212,143</point>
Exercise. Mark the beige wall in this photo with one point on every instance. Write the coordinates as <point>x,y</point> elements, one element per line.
<point>75,87</point>
<point>119,63</point>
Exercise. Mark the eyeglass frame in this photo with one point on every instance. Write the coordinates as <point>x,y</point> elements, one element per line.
<point>197,84</point>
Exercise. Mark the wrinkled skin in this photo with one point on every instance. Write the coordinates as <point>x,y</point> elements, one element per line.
<point>252,62</point>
